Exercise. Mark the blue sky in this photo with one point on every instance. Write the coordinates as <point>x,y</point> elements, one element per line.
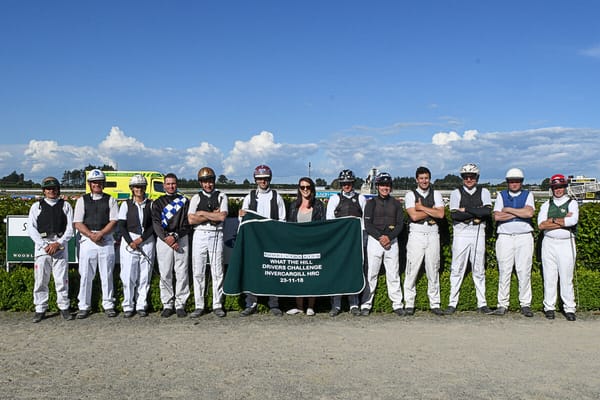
<point>174,86</point>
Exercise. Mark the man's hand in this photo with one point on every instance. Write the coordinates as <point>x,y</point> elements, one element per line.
<point>385,242</point>
<point>52,248</point>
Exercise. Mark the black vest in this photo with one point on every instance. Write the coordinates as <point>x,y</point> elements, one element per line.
<point>52,219</point>
<point>133,219</point>
<point>348,207</point>
<point>384,213</point>
<point>96,212</point>
<point>428,201</point>
<point>470,201</point>
<point>209,203</point>
<point>274,207</point>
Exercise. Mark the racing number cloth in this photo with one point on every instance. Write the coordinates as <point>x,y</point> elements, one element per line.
<point>273,258</point>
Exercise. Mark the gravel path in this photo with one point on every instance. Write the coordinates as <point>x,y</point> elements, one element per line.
<point>466,356</point>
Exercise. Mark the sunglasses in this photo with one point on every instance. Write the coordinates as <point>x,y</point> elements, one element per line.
<point>302,187</point>
<point>469,177</point>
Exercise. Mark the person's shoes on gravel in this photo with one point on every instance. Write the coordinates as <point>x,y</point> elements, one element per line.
<point>570,316</point>
<point>409,311</point>
<point>197,313</point>
<point>450,310</point>
<point>354,311</point>
<point>310,312</point>
<point>437,311</point>
<point>549,314</point>
<point>334,312</point>
<point>276,312</point>
<point>485,310</point>
<point>66,314</point>
<point>128,314</point>
<point>500,311</point>
<point>526,311</point>
<point>38,316</point>
<point>399,312</point>
<point>180,313</point>
<point>142,313</point>
<point>294,311</point>
<point>110,312</point>
<point>248,311</point>
<point>167,312</point>
<point>365,312</point>
<point>83,314</point>
<point>219,312</point>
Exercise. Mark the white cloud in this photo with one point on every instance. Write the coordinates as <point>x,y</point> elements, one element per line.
<point>204,155</point>
<point>539,152</point>
<point>443,138</point>
<point>285,159</point>
<point>117,141</point>
<point>591,51</point>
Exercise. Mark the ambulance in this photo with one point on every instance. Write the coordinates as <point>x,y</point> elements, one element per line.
<point>117,184</point>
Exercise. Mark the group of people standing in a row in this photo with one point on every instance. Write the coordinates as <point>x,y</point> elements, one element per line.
<point>163,228</point>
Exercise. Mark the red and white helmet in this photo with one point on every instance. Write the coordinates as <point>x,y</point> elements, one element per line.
<point>263,171</point>
<point>558,181</point>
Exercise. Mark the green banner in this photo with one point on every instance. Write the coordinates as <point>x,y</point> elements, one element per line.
<point>273,258</point>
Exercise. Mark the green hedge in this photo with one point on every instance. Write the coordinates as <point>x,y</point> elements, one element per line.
<point>16,292</point>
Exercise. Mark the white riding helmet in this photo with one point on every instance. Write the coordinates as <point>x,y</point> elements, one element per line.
<point>514,173</point>
<point>96,175</point>
<point>138,180</point>
<point>469,169</point>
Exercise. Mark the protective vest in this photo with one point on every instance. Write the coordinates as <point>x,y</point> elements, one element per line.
<point>555,211</point>
<point>470,200</point>
<point>133,219</point>
<point>348,207</point>
<point>97,212</point>
<point>52,219</point>
<point>208,203</point>
<point>274,207</point>
<point>515,202</point>
<point>384,213</point>
<point>429,202</point>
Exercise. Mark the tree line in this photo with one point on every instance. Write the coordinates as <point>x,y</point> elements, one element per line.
<point>76,179</point>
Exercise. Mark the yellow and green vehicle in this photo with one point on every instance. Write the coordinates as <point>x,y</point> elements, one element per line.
<point>117,184</point>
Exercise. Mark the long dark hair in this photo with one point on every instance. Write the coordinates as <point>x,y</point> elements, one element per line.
<point>313,190</point>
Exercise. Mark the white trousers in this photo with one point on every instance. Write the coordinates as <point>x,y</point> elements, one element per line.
<point>558,263</point>
<point>468,248</point>
<point>207,246</point>
<point>517,251</point>
<point>45,265</point>
<point>376,254</point>
<point>94,257</point>
<point>136,273</point>
<point>169,262</point>
<point>422,245</point>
